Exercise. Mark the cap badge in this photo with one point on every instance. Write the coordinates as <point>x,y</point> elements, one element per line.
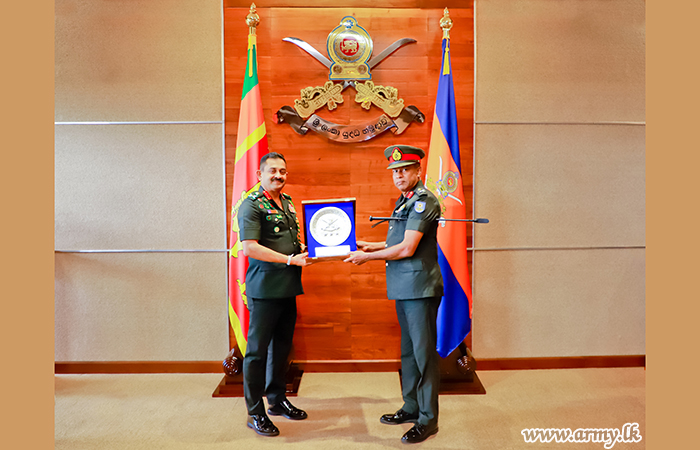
<point>396,155</point>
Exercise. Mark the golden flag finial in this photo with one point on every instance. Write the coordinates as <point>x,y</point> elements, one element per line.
<point>446,24</point>
<point>252,19</point>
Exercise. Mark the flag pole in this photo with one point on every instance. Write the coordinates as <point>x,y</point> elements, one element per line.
<point>444,179</point>
<point>232,364</point>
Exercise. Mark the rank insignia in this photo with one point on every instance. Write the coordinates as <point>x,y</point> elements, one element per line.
<point>419,207</point>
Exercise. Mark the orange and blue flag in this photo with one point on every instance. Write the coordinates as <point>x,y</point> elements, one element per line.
<point>444,179</point>
<point>251,144</point>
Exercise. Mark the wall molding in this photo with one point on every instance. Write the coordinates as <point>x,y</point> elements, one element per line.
<point>561,362</point>
<point>384,365</point>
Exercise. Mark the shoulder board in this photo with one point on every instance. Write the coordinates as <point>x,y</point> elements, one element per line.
<point>255,195</point>
<point>421,191</point>
<point>287,196</point>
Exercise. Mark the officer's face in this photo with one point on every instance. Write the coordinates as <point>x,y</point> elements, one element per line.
<point>406,177</point>
<point>273,174</point>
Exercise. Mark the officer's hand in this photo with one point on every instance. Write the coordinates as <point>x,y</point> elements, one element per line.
<point>359,257</point>
<point>364,246</point>
<point>300,260</point>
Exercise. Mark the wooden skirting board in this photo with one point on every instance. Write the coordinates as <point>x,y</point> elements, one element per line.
<point>564,362</point>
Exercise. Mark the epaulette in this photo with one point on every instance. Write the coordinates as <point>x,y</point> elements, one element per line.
<point>421,191</point>
<point>287,196</point>
<point>255,195</point>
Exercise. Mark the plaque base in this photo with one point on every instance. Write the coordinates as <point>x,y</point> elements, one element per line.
<point>328,258</point>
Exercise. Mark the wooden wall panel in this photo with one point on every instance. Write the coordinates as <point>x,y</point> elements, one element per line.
<point>560,185</point>
<point>140,306</point>
<point>137,61</point>
<point>344,313</point>
<point>552,303</point>
<point>563,61</point>
<point>138,187</point>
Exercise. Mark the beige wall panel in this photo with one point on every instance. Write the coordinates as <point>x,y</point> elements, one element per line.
<point>141,307</point>
<point>139,187</point>
<point>154,60</point>
<point>560,185</point>
<point>558,303</point>
<point>560,61</point>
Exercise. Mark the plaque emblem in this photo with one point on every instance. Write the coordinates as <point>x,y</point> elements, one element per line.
<point>330,226</point>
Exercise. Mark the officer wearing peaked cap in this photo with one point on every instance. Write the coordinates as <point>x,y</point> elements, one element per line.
<point>414,280</point>
<point>403,155</point>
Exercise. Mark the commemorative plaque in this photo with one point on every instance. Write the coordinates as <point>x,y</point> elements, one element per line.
<point>329,228</point>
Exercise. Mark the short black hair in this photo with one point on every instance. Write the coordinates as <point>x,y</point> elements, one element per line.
<point>273,155</point>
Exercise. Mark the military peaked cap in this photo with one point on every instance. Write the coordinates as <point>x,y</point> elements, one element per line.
<point>403,155</point>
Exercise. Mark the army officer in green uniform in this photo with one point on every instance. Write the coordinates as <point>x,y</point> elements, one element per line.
<point>414,280</point>
<point>269,232</point>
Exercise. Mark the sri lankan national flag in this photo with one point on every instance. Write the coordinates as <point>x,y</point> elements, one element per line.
<point>251,144</point>
<point>444,179</point>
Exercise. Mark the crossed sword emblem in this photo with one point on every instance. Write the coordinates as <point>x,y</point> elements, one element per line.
<point>308,48</point>
<point>301,117</point>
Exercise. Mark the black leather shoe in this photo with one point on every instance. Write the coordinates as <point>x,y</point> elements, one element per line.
<point>418,433</point>
<point>262,425</point>
<point>398,417</point>
<point>286,409</point>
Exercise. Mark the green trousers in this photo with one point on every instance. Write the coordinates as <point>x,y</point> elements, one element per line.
<point>420,364</point>
<point>270,333</point>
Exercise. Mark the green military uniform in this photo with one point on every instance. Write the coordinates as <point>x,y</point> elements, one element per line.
<point>271,290</point>
<point>416,285</point>
<point>418,276</point>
